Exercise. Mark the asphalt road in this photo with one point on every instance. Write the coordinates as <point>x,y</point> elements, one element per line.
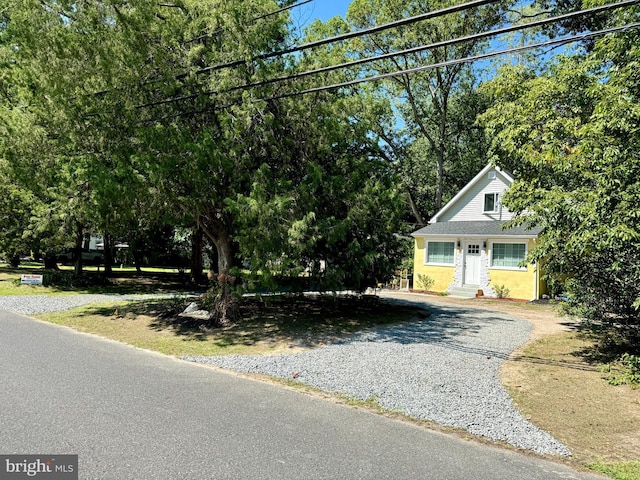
<point>133,414</point>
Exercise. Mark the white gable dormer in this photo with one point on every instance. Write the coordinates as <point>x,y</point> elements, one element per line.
<point>480,199</point>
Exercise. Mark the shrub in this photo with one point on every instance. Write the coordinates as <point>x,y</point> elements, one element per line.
<point>65,279</point>
<point>425,282</point>
<point>175,304</point>
<point>501,291</point>
<point>626,371</point>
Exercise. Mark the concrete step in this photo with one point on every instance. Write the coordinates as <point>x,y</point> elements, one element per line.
<point>466,291</point>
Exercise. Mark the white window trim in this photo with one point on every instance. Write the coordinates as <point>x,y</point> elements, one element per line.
<point>438,264</point>
<point>513,269</point>
<point>496,202</point>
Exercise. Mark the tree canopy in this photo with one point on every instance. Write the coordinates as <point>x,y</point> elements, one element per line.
<point>571,137</point>
<point>123,118</point>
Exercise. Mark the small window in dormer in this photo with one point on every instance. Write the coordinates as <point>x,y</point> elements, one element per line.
<point>490,202</point>
<point>492,175</point>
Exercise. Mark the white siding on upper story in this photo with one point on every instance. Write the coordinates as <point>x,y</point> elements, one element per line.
<point>469,207</point>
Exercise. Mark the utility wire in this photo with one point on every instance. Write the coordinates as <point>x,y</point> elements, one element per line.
<point>306,46</point>
<point>324,41</point>
<point>418,49</point>
<point>547,43</point>
<point>266,15</point>
<point>444,43</point>
<point>346,36</point>
<point>475,58</point>
<point>284,9</point>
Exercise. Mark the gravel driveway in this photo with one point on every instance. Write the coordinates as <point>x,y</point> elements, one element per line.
<point>443,368</point>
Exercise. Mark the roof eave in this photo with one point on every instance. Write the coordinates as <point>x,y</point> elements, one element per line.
<point>475,235</point>
<point>466,188</point>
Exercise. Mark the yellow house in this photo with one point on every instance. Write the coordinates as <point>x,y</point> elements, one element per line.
<point>465,248</point>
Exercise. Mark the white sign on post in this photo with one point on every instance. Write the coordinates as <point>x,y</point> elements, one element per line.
<point>31,279</point>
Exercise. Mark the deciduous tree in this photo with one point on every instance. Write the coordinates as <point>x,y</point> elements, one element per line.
<point>571,137</point>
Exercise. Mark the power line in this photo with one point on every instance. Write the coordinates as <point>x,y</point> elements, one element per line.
<point>306,46</point>
<point>485,56</point>
<point>266,15</point>
<point>475,58</point>
<point>324,41</point>
<point>444,43</point>
<point>356,33</point>
<point>284,9</point>
<point>418,49</point>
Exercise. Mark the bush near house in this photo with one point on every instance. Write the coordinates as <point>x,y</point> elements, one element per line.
<point>501,291</point>
<point>425,282</point>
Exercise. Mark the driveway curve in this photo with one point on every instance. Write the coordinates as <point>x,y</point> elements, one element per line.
<point>443,368</point>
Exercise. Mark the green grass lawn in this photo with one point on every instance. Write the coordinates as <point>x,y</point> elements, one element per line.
<point>122,281</point>
<point>619,470</point>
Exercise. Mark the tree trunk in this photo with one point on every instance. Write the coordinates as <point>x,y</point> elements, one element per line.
<point>50,262</point>
<point>224,249</point>
<point>137,260</point>
<point>196,256</point>
<point>77,269</point>
<point>441,145</point>
<point>226,305</point>
<point>14,261</point>
<point>108,254</point>
<point>414,210</point>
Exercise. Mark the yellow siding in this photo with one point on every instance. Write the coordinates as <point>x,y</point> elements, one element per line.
<point>443,276</point>
<point>521,283</point>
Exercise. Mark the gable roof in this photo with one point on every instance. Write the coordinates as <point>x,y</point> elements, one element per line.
<point>476,229</point>
<point>468,187</point>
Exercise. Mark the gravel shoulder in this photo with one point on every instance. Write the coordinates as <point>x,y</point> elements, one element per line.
<point>35,304</point>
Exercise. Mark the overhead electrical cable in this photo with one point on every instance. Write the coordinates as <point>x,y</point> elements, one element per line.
<point>484,56</point>
<point>444,43</point>
<point>255,19</point>
<point>283,9</point>
<point>353,34</point>
<point>557,41</point>
<point>328,40</point>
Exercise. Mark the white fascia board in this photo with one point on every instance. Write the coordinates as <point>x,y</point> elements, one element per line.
<point>505,174</point>
<point>466,188</point>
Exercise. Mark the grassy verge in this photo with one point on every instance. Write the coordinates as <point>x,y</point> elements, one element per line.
<point>557,385</point>
<point>619,470</point>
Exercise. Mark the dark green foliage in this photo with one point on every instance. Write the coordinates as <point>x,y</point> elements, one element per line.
<point>67,279</point>
<point>570,136</point>
<point>626,371</point>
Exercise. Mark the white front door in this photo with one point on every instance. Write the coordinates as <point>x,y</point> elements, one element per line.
<point>472,264</point>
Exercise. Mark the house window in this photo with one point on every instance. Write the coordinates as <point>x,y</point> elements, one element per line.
<point>440,252</point>
<point>508,254</point>
<point>490,202</point>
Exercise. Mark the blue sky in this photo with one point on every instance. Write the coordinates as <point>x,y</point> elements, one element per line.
<point>322,9</point>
